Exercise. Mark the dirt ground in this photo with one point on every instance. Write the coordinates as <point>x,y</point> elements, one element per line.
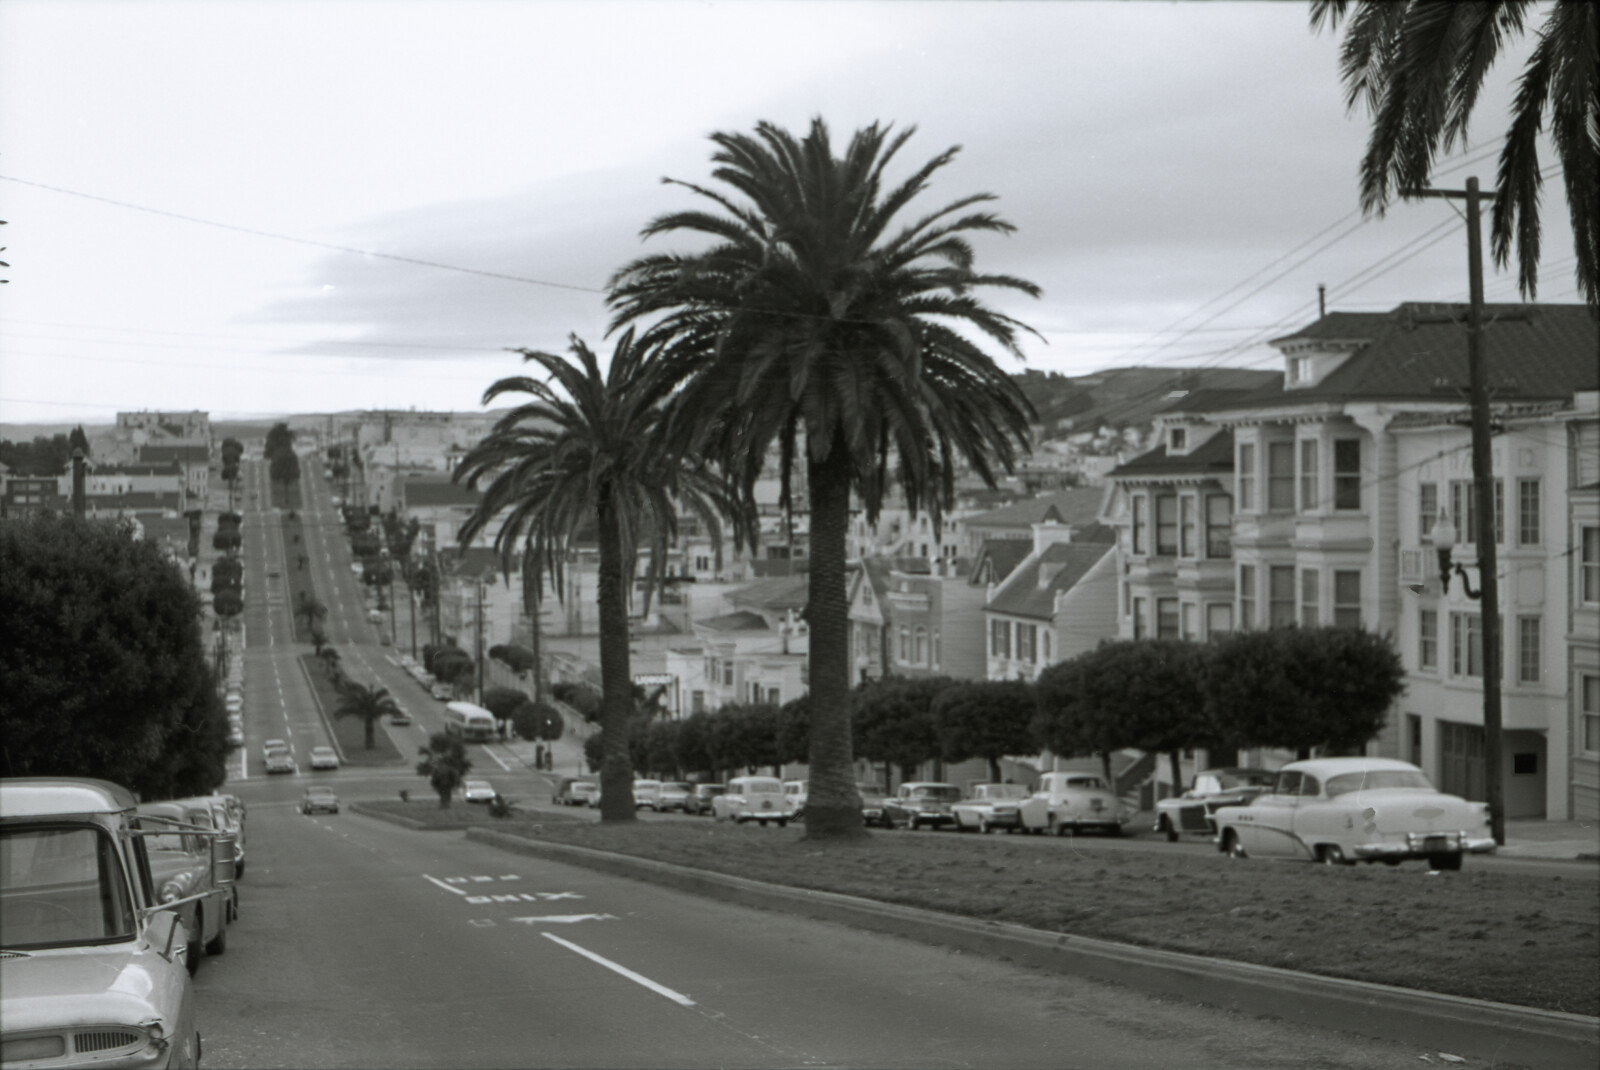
<point>1528,940</point>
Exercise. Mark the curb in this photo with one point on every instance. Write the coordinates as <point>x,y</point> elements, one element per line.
<point>1500,1032</point>
<point>405,822</point>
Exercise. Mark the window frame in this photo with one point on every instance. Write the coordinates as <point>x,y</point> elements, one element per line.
<point>1346,481</point>
<point>1219,533</point>
<point>1281,586</point>
<point>1247,596</point>
<point>1309,582</point>
<point>1245,477</point>
<point>1308,455</point>
<point>1530,650</point>
<point>1530,511</point>
<point>1428,639</point>
<point>1280,477</point>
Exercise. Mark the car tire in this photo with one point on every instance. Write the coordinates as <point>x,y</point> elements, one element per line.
<point>1233,846</point>
<point>983,826</point>
<point>1447,862</point>
<point>1061,827</point>
<point>1170,832</point>
<point>1332,855</point>
<point>219,943</point>
<point>912,826</point>
<point>196,944</point>
<point>783,824</point>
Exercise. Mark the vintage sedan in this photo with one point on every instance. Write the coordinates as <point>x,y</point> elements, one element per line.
<point>281,761</point>
<point>1211,790</point>
<point>674,793</point>
<point>994,806</point>
<point>1075,802</point>
<point>923,802</point>
<point>700,801</point>
<point>576,791</point>
<point>324,758</point>
<point>1344,810</point>
<point>477,791</point>
<point>319,800</point>
<point>752,798</point>
<point>873,801</point>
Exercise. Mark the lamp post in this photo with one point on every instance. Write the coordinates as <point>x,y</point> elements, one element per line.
<point>1444,543</point>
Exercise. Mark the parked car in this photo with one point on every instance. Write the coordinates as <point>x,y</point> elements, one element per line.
<point>873,801</point>
<point>319,799</point>
<point>795,792</point>
<point>1212,789</point>
<point>442,692</point>
<point>995,806</point>
<point>700,801</point>
<point>1344,810</point>
<point>673,795</point>
<point>375,616</point>
<point>576,791</point>
<point>324,758</point>
<point>1076,802</point>
<point>477,791</point>
<point>226,815</point>
<point>84,924</point>
<point>399,716</point>
<point>922,802</point>
<point>180,869</point>
<point>752,798</point>
<point>647,794</point>
<point>236,735</point>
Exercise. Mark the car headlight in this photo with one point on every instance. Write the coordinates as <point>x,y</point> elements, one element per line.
<point>171,890</point>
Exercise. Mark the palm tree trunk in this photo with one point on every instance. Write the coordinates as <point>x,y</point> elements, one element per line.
<point>616,677</point>
<point>833,807</point>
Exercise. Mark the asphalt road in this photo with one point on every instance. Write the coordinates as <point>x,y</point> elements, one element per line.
<point>363,944</point>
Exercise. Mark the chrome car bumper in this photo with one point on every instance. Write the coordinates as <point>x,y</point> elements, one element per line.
<point>1422,844</point>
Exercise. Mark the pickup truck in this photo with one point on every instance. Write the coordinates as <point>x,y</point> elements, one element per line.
<point>95,966</point>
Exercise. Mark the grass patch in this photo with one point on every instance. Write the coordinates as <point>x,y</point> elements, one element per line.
<point>1527,940</point>
<point>299,574</point>
<point>348,732</point>
<point>424,808</point>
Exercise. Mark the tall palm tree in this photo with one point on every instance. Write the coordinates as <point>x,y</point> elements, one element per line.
<point>808,324</point>
<point>579,457</point>
<point>368,704</point>
<point>1418,66</point>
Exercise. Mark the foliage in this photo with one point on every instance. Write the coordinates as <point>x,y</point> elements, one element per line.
<point>658,746</point>
<point>369,705</point>
<point>445,764</point>
<point>894,719</point>
<point>452,665</point>
<point>284,468</point>
<point>1148,694</point>
<point>311,609</point>
<point>224,541</point>
<point>1304,687</point>
<point>582,452</point>
<point>537,720</point>
<point>1418,67</point>
<point>1064,723</point>
<point>808,323</point>
<point>519,659</point>
<point>44,456</point>
<point>280,441</point>
<point>229,603</point>
<point>794,730</point>
<point>105,671</point>
<point>581,697</point>
<point>986,719</point>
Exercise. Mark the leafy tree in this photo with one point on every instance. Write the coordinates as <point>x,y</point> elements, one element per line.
<point>105,670</point>
<point>228,603</point>
<point>284,469</point>
<point>280,441</point>
<point>1418,66</point>
<point>226,541</point>
<point>1065,724</point>
<point>660,746</point>
<point>452,665</point>
<point>794,730</point>
<point>537,720</point>
<point>857,349</point>
<point>581,697</point>
<point>986,719</point>
<point>503,701</point>
<point>1150,694</point>
<point>894,722</point>
<point>1304,687</point>
<point>695,751</point>
<point>746,735</point>
<point>311,609</point>
<point>369,705</point>
<point>319,641</point>
<point>78,441</point>
<point>581,452</point>
<point>519,659</point>
<point>41,457</point>
<point>445,764</point>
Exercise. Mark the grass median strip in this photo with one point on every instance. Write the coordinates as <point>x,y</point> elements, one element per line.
<point>1527,940</point>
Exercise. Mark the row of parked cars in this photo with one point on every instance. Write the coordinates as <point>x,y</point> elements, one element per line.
<point>424,679</point>
<point>107,906</point>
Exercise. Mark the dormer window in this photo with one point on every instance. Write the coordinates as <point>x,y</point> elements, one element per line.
<point>1177,439</point>
<point>1300,369</point>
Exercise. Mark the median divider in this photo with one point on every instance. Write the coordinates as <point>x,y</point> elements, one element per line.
<point>1500,1032</point>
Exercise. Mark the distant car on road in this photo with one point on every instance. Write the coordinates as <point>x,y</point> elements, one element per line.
<point>324,758</point>
<point>647,794</point>
<point>281,761</point>
<point>873,800</point>
<point>994,806</point>
<point>355,566</point>
<point>319,800</point>
<point>399,716</point>
<point>700,801</point>
<point>442,692</point>
<point>1212,789</point>
<point>923,802</point>
<point>576,791</point>
<point>1076,802</point>
<point>752,798</point>
<point>478,791</point>
<point>673,794</point>
<point>375,616</point>
<point>1343,810</point>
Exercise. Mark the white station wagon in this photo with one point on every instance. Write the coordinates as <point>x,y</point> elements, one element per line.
<point>752,798</point>
<point>1343,810</point>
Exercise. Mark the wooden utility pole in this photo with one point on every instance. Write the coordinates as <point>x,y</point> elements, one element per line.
<point>1483,493</point>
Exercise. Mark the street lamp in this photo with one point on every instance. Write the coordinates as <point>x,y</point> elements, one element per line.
<point>1444,543</point>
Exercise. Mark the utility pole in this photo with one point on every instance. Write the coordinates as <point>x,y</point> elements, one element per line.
<point>478,637</point>
<point>1483,492</point>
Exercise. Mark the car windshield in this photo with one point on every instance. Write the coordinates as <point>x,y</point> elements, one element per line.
<point>61,886</point>
<point>948,793</point>
<point>1246,780</point>
<point>1087,783</point>
<point>1375,779</point>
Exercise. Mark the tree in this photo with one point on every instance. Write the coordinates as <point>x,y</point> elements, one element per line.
<point>794,730</point>
<point>280,441</point>
<point>312,610</point>
<point>583,454</point>
<point>1149,694</point>
<point>445,764</point>
<point>986,719</point>
<point>1304,687</point>
<point>284,469</point>
<point>893,722</point>
<point>1418,66</point>
<point>861,356</point>
<point>369,705</point>
<point>105,670</point>
<point>225,541</point>
<point>228,603</point>
<point>519,659</point>
<point>1066,723</point>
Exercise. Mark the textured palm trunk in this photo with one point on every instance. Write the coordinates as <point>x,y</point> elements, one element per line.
<point>616,677</point>
<point>372,733</point>
<point>833,806</point>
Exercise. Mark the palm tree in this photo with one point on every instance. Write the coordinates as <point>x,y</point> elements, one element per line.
<point>1418,66</point>
<point>369,704</point>
<point>806,323</point>
<point>579,458</point>
<point>311,609</point>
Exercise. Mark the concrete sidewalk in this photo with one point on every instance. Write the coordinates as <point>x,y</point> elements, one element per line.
<point>1537,838</point>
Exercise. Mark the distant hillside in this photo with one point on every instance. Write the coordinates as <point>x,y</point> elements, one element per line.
<point>1124,397</point>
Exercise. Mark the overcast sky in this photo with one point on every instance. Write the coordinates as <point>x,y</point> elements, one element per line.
<point>1182,176</point>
